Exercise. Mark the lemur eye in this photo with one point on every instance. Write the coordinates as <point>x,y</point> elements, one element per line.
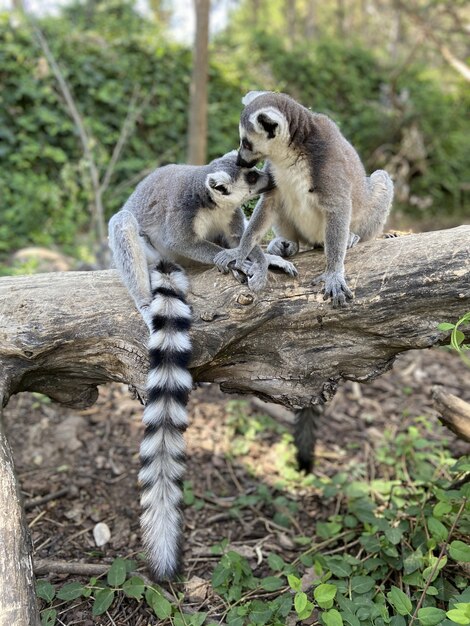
<point>252,177</point>
<point>247,144</point>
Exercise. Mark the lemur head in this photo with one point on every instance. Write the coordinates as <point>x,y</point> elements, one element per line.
<point>230,184</point>
<point>264,127</point>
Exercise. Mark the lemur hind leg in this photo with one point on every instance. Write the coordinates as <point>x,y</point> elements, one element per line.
<point>129,254</point>
<point>380,201</point>
<point>305,435</point>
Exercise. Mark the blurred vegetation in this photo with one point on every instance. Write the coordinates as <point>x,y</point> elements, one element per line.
<point>409,117</point>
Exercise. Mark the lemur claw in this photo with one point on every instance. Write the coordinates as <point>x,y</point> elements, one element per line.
<point>277,262</point>
<point>224,259</point>
<point>335,287</point>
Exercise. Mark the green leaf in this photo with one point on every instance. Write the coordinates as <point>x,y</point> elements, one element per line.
<point>70,591</point>
<point>332,618</point>
<point>458,617</point>
<point>45,590</point>
<point>430,616</point>
<point>300,601</point>
<point>48,617</point>
<point>457,338</point>
<point>260,612</point>
<point>275,562</point>
<point>362,584</point>
<point>271,583</point>
<point>117,573</point>
<point>437,529</point>
<point>324,595</point>
<point>134,587</point>
<point>460,551</point>
<point>445,326</point>
<point>220,576</point>
<point>294,582</point>
<point>103,600</point>
<point>394,535</point>
<point>338,566</point>
<point>160,605</point>
<point>399,600</point>
<point>441,509</point>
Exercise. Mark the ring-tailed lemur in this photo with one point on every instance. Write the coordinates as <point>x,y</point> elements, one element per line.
<point>322,196</point>
<point>184,214</point>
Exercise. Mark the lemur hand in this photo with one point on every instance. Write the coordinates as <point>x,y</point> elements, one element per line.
<point>283,247</point>
<point>278,263</point>
<point>257,275</point>
<point>335,287</point>
<point>224,258</point>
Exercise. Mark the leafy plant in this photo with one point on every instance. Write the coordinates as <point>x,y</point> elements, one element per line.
<point>457,337</point>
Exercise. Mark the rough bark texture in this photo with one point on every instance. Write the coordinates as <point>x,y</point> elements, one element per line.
<point>17,597</point>
<point>63,334</point>
<point>453,412</point>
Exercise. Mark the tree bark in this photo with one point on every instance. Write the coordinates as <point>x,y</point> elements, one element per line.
<point>62,334</point>
<point>453,412</point>
<point>17,595</point>
<point>197,138</point>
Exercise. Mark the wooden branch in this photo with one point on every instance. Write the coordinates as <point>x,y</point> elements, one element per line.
<point>63,334</point>
<point>454,413</point>
<point>17,595</point>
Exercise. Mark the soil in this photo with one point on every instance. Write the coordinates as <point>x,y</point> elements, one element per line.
<point>89,459</point>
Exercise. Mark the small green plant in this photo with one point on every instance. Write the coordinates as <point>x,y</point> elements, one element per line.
<point>457,337</point>
<point>104,592</point>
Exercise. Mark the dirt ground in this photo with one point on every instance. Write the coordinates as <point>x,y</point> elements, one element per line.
<point>89,459</point>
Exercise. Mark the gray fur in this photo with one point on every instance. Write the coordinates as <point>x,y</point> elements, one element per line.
<point>179,214</point>
<point>322,194</point>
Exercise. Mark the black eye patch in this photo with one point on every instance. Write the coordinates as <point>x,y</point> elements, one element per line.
<point>252,177</point>
<point>247,145</point>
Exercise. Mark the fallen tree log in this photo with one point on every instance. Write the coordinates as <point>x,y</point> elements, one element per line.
<point>63,334</point>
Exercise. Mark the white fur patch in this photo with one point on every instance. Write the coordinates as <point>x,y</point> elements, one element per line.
<point>251,95</point>
<point>299,206</point>
<point>169,307</point>
<point>165,408</point>
<point>175,280</point>
<point>163,466</point>
<point>167,340</point>
<point>170,441</point>
<point>169,377</point>
<point>220,177</point>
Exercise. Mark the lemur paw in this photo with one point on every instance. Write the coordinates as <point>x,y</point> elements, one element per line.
<point>277,262</point>
<point>353,240</point>
<point>224,258</point>
<point>335,288</point>
<point>283,247</point>
<point>257,275</point>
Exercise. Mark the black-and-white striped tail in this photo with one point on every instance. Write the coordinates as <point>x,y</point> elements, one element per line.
<point>162,451</point>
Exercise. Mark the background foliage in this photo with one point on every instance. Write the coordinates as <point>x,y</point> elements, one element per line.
<point>409,117</point>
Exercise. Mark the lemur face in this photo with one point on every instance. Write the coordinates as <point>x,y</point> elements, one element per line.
<point>263,129</point>
<point>234,185</point>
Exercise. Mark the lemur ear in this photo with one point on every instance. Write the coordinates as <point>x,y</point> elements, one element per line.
<point>251,95</point>
<point>269,121</point>
<point>219,181</point>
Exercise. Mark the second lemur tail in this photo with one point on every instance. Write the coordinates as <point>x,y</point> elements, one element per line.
<point>162,452</point>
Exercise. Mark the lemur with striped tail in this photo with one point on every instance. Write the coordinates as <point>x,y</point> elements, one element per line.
<point>178,214</point>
